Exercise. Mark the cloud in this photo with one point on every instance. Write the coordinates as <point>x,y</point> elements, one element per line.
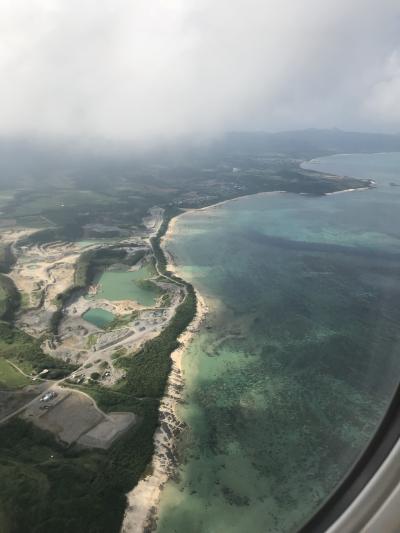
<point>153,69</point>
<point>383,102</point>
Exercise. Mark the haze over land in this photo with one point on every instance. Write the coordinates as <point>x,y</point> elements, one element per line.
<point>141,71</point>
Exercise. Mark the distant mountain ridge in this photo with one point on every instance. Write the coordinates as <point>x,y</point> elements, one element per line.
<point>23,160</point>
<point>312,141</point>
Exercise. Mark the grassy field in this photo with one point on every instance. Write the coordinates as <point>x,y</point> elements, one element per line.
<point>39,208</point>
<point>25,351</point>
<point>37,202</point>
<point>10,378</point>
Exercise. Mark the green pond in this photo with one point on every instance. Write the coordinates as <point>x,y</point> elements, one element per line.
<point>98,317</point>
<point>125,285</point>
<point>300,354</point>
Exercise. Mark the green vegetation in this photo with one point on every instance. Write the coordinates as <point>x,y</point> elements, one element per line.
<point>169,214</point>
<point>91,340</point>
<point>93,261</point>
<point>10,378</point>
<point>98,202</point>
<point>119,352</point>
<point>26,353</point>
<point>7,258</point>
<point>9,298</point>
<point>68,489</point>
<point>122,320</point>
<point>57,204</point>
<point>148,370</point>
<point>25,301</point>
<point>165,300</point>
<point>135,258</point>
<point>46,487</point>
<point>67,233</point>
<point>148,284</point>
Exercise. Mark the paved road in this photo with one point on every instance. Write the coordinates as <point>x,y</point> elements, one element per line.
<point>58,383</point>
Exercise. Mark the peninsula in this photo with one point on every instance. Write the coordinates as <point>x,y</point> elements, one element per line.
<point>90,315</point>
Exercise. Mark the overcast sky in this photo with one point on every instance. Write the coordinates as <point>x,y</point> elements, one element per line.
<point>144,69</point>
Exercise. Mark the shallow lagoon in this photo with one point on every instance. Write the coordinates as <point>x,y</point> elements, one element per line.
<point>288,385</point>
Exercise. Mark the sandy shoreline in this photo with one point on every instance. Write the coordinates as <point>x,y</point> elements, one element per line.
<point>171,226</point>
<point>349,190</point>
<point>144,498</point>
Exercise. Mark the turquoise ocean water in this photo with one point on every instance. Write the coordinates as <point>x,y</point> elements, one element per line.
<point>299,356</point>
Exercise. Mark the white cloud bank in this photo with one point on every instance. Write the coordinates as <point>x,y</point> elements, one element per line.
<point>142,69</point>
<point>383,102</point>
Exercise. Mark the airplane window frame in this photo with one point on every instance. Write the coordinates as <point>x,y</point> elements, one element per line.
<point>367,465</point>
